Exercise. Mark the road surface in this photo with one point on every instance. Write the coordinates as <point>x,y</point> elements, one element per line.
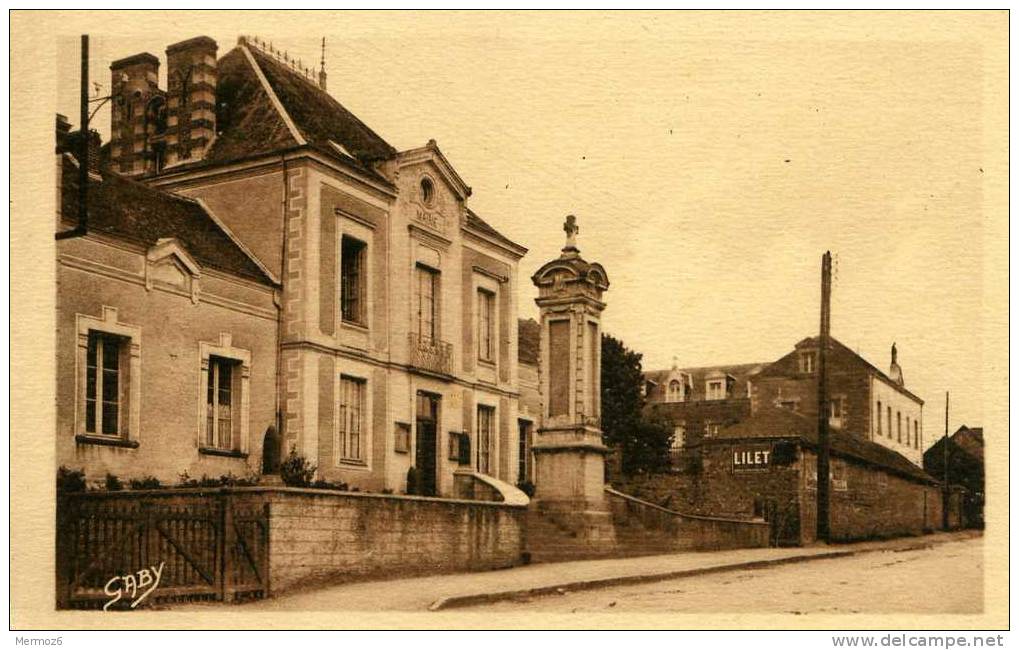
<point>947,578</point>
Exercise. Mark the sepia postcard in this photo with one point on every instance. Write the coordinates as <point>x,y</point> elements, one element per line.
<point>686,320</point>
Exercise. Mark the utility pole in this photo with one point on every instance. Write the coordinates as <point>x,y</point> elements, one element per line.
<point>947,492</point>
<point>83,146</point>
<point>823,442</point>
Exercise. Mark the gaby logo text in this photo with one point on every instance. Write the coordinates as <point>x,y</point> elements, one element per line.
<point>128,586</point>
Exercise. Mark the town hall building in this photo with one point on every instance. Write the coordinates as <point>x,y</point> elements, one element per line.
<point>395,317</point>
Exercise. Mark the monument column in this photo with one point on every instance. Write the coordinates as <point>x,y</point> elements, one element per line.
<point>569,455</point>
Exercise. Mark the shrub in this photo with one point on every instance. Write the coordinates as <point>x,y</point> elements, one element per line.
<point>70,480</point>
<point>145,483</point>
<point>323,484</point>
<point>412,480</point>
<point>113,483</point>
<point>296,470</point>
<point>225,480</point>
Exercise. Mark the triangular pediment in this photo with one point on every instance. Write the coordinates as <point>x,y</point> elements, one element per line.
<point>170,252</point>
<point>431,154</point>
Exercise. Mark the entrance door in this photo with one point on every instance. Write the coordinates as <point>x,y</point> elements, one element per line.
<point>427,449</point>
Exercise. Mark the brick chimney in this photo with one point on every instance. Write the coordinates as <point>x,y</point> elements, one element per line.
<point>68,141</point>
<point>191,99</point>
<point>135,83</point>
<point>63,128</point>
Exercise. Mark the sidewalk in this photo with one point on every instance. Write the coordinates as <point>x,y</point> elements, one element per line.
<point>465,589</point>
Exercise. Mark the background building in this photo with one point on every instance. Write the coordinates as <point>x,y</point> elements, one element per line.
<point>699,401</point>
<point>864,401</point>
<point>964,453</point>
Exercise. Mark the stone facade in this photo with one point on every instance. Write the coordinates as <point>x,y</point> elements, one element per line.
<point>169,309</point>
<point>398,343</point>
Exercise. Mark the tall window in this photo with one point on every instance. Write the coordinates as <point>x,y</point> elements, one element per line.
<point>898,424</point>
<point>486,323</point>
<point>350,432</point>
<point>486,418</point>
<point>427,298</point>
<point>836,408</point>
<point>523,451</point>
<point>102,384</point>
<point>352,281</point>
<point>889,422</point>
<point>879,417</point>
<point>916,434</point>
<point>219,400</point>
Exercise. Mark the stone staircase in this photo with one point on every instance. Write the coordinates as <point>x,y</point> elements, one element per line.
<point>551,538</point>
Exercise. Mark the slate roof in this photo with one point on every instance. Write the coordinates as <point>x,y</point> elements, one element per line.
<point>474,221</point>
<point>528,341</point>
<point>777,423</point>
<point>135,212</point>
<point>250,124</point>
<point>741,372</point>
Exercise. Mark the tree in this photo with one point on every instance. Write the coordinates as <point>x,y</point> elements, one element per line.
<point>642,441</point>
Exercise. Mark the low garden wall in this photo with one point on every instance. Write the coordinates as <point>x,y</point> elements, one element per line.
<point>247,542</point>
<point>321,535</point>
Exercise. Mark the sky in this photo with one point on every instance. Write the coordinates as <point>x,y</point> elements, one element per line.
<point>710,159</point>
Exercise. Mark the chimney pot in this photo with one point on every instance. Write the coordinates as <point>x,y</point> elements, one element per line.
<point>191,98</point>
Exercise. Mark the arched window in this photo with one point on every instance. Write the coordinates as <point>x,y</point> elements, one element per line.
<point>675,391</point>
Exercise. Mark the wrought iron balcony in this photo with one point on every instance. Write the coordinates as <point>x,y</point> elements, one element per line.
<point>431,354</point>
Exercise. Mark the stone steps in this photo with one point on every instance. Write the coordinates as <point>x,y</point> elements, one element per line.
<point>550,540</point>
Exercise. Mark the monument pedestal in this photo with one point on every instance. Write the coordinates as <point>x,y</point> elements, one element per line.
<point>569,506</point>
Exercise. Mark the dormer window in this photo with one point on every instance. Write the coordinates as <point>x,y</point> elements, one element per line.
<point>808,361</point>
<point>675,391</point>
<point>716,389</point>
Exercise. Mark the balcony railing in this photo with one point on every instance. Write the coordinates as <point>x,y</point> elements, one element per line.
<point>430,354</point>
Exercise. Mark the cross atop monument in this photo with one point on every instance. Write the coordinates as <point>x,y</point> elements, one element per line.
<point>571,228</point>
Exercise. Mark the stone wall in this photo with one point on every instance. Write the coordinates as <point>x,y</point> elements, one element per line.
<point>317,535</point>
<point>866,502</point>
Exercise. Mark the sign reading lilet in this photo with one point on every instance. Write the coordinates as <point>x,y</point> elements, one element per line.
<point>750,458</point>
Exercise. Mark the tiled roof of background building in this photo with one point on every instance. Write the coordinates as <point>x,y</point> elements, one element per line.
<point>776,423</point>
<point>839,347</point>
<point>135,212</point>
<point>970,440</point>
<point>741,372</point>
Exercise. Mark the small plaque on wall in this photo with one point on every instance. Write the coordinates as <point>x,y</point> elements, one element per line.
<point>455,441</point>
<point>401,444</point>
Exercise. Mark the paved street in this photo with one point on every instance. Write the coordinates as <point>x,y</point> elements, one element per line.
<point>879,582</point>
